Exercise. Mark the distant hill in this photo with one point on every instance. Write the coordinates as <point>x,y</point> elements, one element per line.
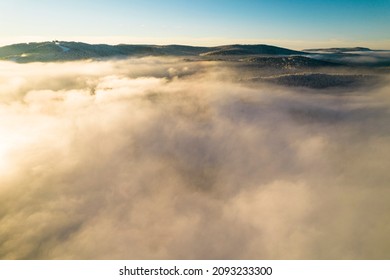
<point>251,50</point>
<point>67,51</point>
<point>339,50</point>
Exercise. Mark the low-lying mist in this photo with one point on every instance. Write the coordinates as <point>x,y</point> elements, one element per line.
<point>163,158</point>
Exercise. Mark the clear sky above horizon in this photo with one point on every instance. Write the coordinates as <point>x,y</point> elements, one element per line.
<point>295,24</point>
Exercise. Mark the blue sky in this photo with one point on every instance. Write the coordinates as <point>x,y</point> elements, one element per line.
<point>297,24</point>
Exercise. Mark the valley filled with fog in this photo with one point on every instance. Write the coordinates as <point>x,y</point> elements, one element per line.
<point>209,157</point>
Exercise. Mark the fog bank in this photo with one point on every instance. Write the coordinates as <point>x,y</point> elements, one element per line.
<point>158,158</point>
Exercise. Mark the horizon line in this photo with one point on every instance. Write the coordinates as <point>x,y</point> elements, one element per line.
<point>201,42</point>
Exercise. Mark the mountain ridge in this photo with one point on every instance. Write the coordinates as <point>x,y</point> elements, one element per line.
<point>69,50</point>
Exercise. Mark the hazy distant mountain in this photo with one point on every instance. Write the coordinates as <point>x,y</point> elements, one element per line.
<point>339,50</point>
<point>64,51</point>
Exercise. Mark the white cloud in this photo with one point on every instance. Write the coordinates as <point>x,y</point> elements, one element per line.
<point>161,158</point>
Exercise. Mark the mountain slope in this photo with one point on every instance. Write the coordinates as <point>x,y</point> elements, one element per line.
<point>320,80</point>
<point>340,50</point>
<point>289,62</point>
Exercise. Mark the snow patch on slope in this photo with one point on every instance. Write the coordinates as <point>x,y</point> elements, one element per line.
<point>64,49</point>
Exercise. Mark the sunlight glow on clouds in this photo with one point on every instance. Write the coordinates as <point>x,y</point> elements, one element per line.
<point>160,158</point>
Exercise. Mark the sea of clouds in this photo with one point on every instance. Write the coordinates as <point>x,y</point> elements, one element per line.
<point>161,158</point>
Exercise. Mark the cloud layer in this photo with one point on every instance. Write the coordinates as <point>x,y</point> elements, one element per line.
<point>170,159</point>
